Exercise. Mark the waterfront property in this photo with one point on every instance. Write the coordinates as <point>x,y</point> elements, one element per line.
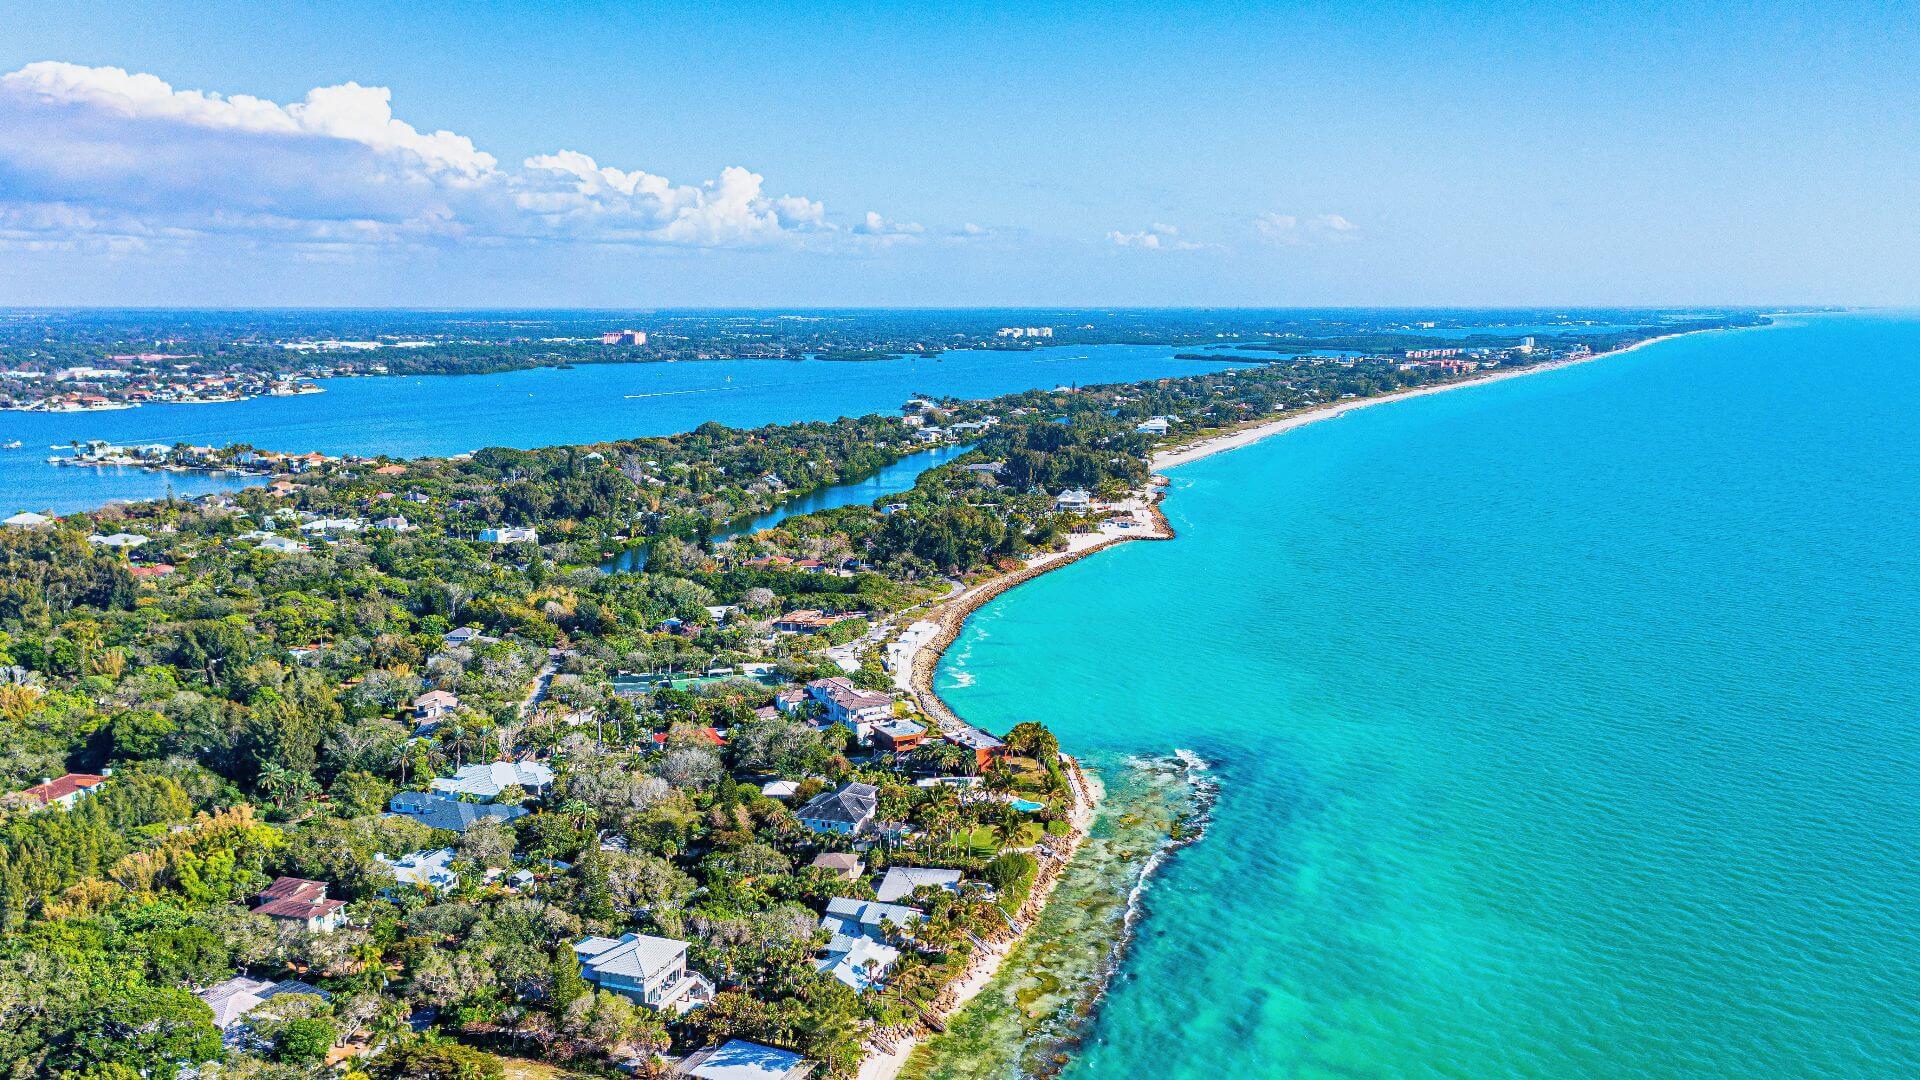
<point>900,882</point>
<point>858,952</point>
<point>739,1059</point>
<point>651,971</point>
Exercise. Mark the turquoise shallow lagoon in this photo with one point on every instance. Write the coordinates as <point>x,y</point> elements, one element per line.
<point>1565,727</point>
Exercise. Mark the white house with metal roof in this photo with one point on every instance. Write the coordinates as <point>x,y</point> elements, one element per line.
<point>900,881</point>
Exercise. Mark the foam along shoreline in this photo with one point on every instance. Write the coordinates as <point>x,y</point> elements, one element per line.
<point>1142,520</point>
<point>886,1064</point>
<point>1253,433</point>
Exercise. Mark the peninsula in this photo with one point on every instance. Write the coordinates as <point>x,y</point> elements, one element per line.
<point>385,739</point>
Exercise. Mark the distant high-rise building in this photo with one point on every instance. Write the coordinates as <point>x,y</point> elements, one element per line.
<point>624,337</point>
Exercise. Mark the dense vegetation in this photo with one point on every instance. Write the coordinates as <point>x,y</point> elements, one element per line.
<point>253,707</point>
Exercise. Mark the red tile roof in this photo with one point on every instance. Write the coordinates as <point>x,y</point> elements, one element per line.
<point>62,787</point>
<point>297,898</point>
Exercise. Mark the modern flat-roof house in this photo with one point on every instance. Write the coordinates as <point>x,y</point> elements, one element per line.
<point>900,882</point>
<point>844,811</point>
<point>303,901</point>
<point>63,792</point>
<point>851,707</point>
<point>986,749</point>
<point>509,534</point>
<point>423,869</point>
<point>897,734</point>
<point>486,782</point>
<point>1156,426</point>
<point>440,812</point>
<point>738,1059</point>
<point>433,705</point>
<point>651,971</point>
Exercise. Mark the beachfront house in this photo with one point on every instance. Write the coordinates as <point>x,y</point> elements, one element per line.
<point>738,1059</point>
<point>441,812</point>
<point>648,970</point>
<point>486,782</point>
<point>845,811</point>
<point>900,882</point>
<point>986,748</point>
<point>857,951</point>
<point>303,902</point>
<point>851,707</point>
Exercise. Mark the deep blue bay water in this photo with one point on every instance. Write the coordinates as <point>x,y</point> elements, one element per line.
<point>418,415</point>
<point>1564,727</point>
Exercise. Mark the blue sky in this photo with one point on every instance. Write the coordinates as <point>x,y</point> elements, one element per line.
<point>896,154</point>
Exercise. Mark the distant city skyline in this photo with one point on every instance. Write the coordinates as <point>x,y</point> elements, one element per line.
<point>601,155</point>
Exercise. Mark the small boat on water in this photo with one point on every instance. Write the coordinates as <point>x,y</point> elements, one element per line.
<point>12,444</point>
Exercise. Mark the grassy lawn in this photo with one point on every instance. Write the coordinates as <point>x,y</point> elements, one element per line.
<point>524,1069</point>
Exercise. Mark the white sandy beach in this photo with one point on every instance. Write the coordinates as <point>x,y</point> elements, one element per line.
<point>920,649</point>
<point>1247,436</point>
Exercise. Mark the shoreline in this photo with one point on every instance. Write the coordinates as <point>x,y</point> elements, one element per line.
<point>886,1063</point>
<point>1146,522</point>
<point>1173,457</point>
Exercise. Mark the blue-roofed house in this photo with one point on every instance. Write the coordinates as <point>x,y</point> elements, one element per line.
<point>440,812</point>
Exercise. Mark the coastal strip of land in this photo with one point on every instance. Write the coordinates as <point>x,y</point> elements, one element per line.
<point>1136,518</point>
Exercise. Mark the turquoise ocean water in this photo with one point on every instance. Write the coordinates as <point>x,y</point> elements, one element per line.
<point>1564,727</point>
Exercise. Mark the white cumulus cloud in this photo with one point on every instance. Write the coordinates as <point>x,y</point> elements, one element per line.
<point>1291,229</point>
<point>1155,237</point>
<point>92,153</point>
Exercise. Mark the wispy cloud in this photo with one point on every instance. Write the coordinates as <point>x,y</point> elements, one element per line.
<point>106,157</point>
<point>1291,229</point>
<point>1155,237</point>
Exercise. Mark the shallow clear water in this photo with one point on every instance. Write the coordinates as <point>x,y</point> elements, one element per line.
<point>1568,726</point>
<point>414,415</point>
